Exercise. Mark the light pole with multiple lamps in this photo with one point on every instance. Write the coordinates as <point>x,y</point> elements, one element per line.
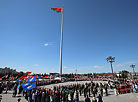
<point>133,66</point>
<point>111,60</point>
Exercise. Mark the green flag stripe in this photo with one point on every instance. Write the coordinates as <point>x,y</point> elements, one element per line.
<point>58,11</point>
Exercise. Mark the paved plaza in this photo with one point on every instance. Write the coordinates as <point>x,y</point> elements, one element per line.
<point>130,97</point>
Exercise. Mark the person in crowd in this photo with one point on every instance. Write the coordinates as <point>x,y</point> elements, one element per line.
<point>87,99</point>
<point>94,99</point>
<point>100,98</point>
<point>66,93</point>
<point>77,94</point>
<point>7,86</point>
<point>20,89</point>
<point>55,98</point>
<point>106,89</point>
<point>43,96</point>
<point>15,89</point>
<point>101,91</point>
<point>76,99</point>
<point>0,98</point>
<point>33,96</point>
<point>19,99</point>
<point>29,95</point>
<point>69,97</point>
<point>1,88</point>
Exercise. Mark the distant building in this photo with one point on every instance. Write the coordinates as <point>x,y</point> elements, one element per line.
<point>53,74</point>
<point>7,70</point>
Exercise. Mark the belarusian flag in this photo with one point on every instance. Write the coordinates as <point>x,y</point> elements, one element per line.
<point>5,76</point>
<point>46,77</point>
<point>27,73</point>
<point>58,10</point>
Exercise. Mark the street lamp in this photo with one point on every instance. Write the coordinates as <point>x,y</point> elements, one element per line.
<point>111,60</point>
<point>76,75</point>
<point>133,66</point>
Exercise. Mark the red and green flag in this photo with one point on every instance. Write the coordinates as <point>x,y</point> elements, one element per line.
<point>5,76</point>
<point>46,77</point>
<point>58,10</point>
<point>27,73</point>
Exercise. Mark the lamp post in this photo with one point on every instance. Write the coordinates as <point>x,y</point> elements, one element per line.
<point>133,66</point>
<point>111,60</point>
<point>76,75</point>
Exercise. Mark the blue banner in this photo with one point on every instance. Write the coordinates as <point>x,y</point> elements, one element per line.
<point>30,86</point>
<point>19,80</point>
<point>39,77</point>
<point>25,85</point>
<point>31,79</point>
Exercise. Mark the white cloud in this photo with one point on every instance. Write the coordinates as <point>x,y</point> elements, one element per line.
<point>49,44</point>
<point>125,64</point>
<point>86,67</point>
<point>97,66</point>
<point>46,44</point>
<point>119,65</point>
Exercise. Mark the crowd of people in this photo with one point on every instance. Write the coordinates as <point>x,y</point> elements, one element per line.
<point>69,93</point>
<point>127,87</point>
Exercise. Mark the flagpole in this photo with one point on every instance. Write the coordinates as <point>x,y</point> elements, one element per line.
<point>61,44</point>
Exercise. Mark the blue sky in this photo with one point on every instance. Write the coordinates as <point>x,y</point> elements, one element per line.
<point>92,31</point>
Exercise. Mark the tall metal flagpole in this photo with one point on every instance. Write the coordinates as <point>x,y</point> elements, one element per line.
<point>61,43</point>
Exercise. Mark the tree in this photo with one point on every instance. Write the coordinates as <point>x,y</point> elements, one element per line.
<point>124,74</point>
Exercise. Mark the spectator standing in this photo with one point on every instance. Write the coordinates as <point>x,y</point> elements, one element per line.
<point>76,99</point>
<point>100,98</point>
<point>87,99</point>
<point>94,99</point>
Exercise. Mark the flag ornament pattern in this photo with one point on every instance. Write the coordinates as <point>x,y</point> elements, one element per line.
<point>29,84</point>
<point>31,79</point>
<point>58,10</point>
<point>25,84</point>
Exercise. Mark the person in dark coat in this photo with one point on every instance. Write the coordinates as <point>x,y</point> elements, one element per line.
<point>76,99</point>
<point>15,89</point>
<point>43,96</point>
<point>72,96</point>
<point>55,98</point>
<point>29,95</point>
<point>20,89</point>
<point>87,99</point>
<point>77,94</point>
<point>47,97</point>
<point>100,98</point>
